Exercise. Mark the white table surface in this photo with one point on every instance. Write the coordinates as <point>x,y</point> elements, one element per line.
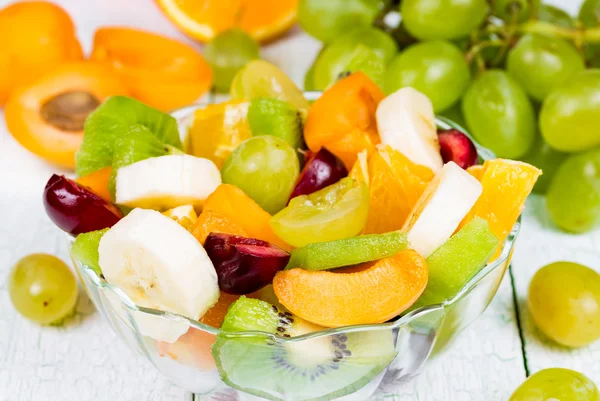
<point>85,361</point>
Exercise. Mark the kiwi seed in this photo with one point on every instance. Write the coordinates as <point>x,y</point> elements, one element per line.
<point>67,111</point>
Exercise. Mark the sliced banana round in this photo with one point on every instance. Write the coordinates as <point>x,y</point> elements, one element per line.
<point>406,122</point>
<point>159,265</point>
<point>166,182</point>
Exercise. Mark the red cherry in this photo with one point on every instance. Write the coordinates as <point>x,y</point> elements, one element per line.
<point>75,209</point>
<point>244,265</point>
<point>320,170</point>
<point>457,147</point>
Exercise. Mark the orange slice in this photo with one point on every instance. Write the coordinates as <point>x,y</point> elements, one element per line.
<point>218,129</point>
<point>211,221</point>
<point>203,19</point>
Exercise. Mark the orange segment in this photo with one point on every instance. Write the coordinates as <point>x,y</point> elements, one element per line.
<point>162,72</point>
<point>218,129</point>
<point>476,171</point>
<point>371,293</point>
<point>343,118</point>
<point>203,19</point>
<point>211,221</point>
<point>235,205</point>
<point>97,182</point>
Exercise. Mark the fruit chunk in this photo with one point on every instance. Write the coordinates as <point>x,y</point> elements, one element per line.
<point>265,168</point>
<point>320,170</point>
<point>334,212</point>
<point>346,252</point>
<point>320,368</point>
<point>564,302</point>
<point>343,118</point>
<point>42,288</point>
<point>454,263</point>
<point>556,384</point>
<point>440,209</point>
<point>193,349</point>
<point>184,215</point>
<point>244,265</point>
<point>35,36</point>
<point>237,207</point>
<point>218,129</point>
<point>268,116</point>
<point>211,221</point>
<point>377,292</point>
<point>162,72</point>
<point>76,210</point>
<point>47,116</point>
<point>264,20</point>
<point>457,147</point>
<point>97,182</point>
<point>85,249</point>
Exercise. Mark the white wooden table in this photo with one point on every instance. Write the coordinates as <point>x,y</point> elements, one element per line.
<point>85,361</point>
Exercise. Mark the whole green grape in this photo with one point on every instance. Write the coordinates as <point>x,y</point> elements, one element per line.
<point>573,198</point>
<point>547,159</point>
<point>265,168</point>
<point>499,114</point>
<point>42,288</point>
<point>505,9</point>
<point>327,20</point>
<point>556,384</point>
<point>570,113</point>
<point>556,16</point>
<point>227,53</point>
<point>442,19</point>
<point>540,64</point>
<point>436,68</point>
<point>564,302</point>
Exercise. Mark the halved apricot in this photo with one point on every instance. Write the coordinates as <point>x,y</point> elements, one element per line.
<point>212,221</point>
<point>97,182</point>
<point>35,36</point>
<point>343,118</point>
<point>47,117</point>
<point>369,293</point>
<point>162,72</point>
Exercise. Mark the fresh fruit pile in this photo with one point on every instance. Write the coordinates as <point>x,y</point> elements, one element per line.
<point>521,76</point>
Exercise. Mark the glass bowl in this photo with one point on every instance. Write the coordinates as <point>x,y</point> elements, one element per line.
<point>253,365</point>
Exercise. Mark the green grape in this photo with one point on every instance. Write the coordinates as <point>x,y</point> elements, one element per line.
<point>364,59</point>
<point>540,64</point>
<point>437,68</point>
<point>327,20</point>
<point>390,21</point>
<point>555,16</point>
<point>547,159</point>
<point>442,19</point>
<point>573,198</point>
<point>42,288</point>
<point>499,115</point>
<point>564,302</point>
<point>505,9</point>
<point>589,13</point>
<point>556,384</point>
<point>227,53</point>
<point>570,113</point>
<point>265,168</point>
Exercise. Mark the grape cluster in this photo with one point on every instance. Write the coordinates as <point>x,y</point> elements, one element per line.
<point>522,76</point>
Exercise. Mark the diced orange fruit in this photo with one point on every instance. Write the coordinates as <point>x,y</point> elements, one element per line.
<point>218,129</point>
<point>236,206</point>
<point>360,169</point>
<point>35,36</point>
<point>506,185</point>
<point>211,221</point>
<point>214,316</point>
<point>97,182</point>
<point>203,19</point>
<point>47,116</point>
<point>370,293</point>
<point>162,72</point>
<point>343,118</point>
<point>476,171</point>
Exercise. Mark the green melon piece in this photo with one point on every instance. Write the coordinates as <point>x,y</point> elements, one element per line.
<point>85,249</point>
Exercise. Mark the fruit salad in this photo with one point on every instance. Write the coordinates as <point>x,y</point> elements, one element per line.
<point>271,214</point>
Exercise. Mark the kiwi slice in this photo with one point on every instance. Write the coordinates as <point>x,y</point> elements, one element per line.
<point>321,368</point>
<point>110,121</point>
<point>85,249</point>
<point>270,116</point>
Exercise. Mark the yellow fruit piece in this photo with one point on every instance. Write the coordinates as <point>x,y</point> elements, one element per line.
<point>185,215</point>
<point>360,169</point>
<point>476,171</point>
<point>218,129</point>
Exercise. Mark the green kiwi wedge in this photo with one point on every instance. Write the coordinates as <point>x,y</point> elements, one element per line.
<point>270,116</point>
<point>85,249</point>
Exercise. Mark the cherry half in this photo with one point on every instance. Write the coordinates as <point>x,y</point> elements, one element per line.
<point>75,209</point>
<point>321,169</point>
<point>457,147</point>
<point>244,265</point>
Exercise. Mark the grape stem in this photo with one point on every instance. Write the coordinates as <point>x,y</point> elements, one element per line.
<point>579,35</point>
<point>479,47</point>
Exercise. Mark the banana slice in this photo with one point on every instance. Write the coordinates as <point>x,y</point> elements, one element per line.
<point>159,265</point>
<point>166,182</point>
<point>406,122</point>
<point>446,201</point>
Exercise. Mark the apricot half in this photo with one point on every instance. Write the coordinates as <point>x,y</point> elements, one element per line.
<point>47,117</point>
<point>372,292</point>
<point>161,72</point>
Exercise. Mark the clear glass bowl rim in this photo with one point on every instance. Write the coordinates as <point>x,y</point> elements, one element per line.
<point>442,122</point>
